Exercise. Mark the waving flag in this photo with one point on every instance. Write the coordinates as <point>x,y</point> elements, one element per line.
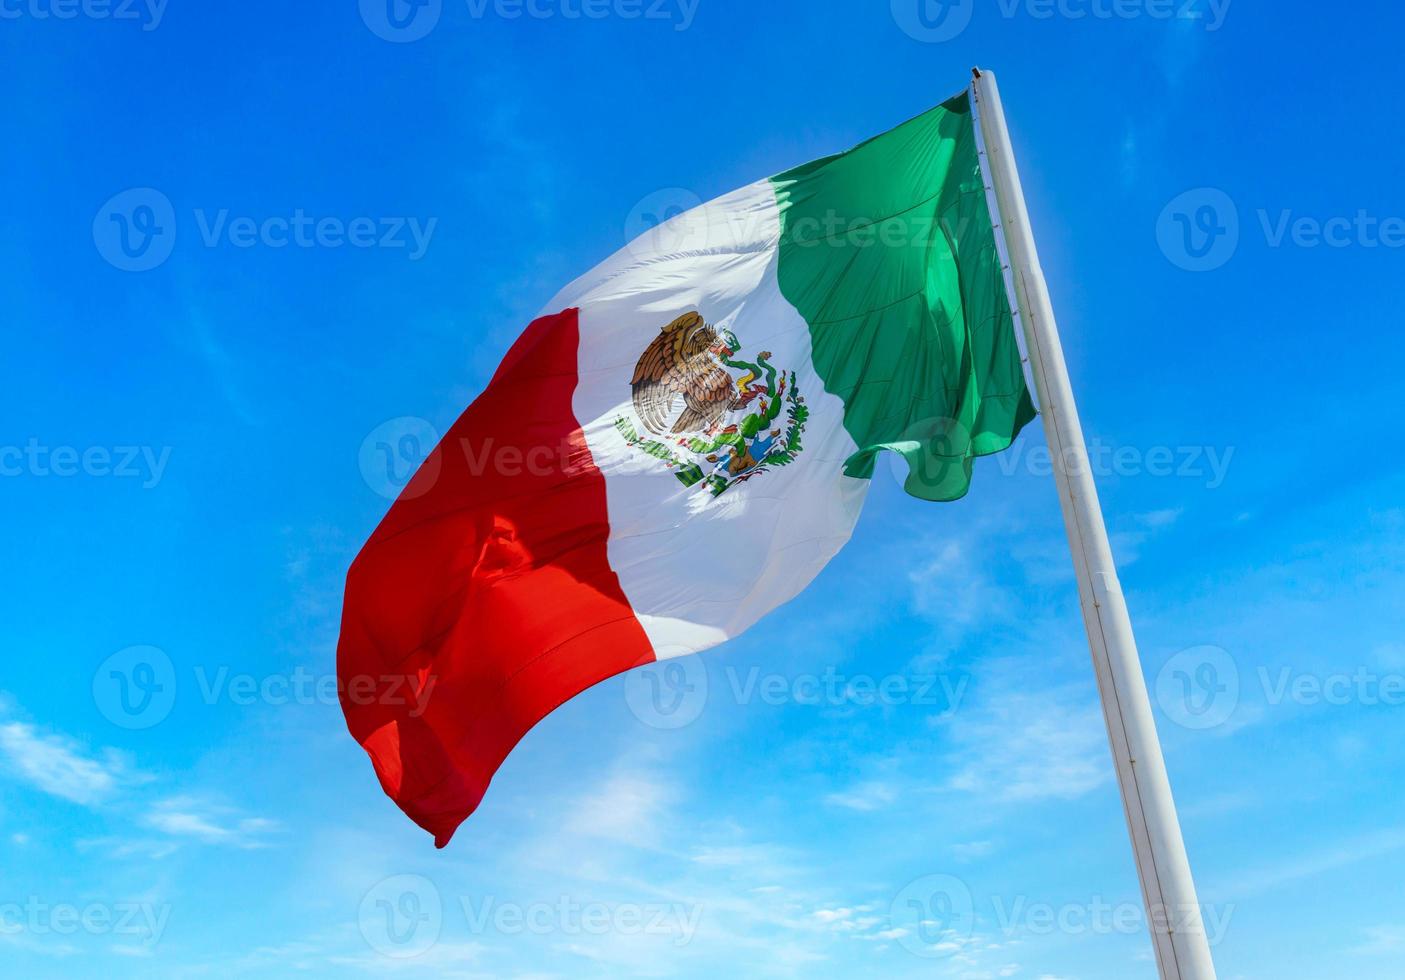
<point>679,444</point>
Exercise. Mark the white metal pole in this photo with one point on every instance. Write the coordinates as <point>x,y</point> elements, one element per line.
<point>1173,911</point>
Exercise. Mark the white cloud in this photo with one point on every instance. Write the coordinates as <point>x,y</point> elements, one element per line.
<point>43,947</point>
<point>1127,545</point>
<point>151,849</point>
<point>951,590</point>
<point>626,808</point>
<point>1049,744</point>
<point>972,851</point>
<point>733,855</point>
<point>1160,518</point>
<point>60,767</point>
<point>187,817</point>
<point>864,797</point>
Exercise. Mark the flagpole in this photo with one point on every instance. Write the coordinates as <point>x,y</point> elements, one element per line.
<point>1173,911</point>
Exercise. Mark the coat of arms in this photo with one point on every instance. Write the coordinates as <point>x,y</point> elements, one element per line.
<point>709,413</point>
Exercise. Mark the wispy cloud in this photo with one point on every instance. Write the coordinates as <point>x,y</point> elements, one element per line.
<point>147,848</point>
<point>1381,939</point>
<point>194,819</point>
<point>41,947</point>
<point>972,851</point>
<point>1127,544</point>
<point>1289,869</point>
<point>225,370</point>
<point>61,767</point>
<point>457,960</point>
<point>1032,745</point>
<point>1161,518</point>
<point>627,807</point>
<point>954,590</point>
<point>864,797</point>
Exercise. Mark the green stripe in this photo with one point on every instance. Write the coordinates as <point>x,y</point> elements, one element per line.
<point>888,253</point>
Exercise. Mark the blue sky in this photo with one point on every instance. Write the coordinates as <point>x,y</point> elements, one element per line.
<point>188,458</point>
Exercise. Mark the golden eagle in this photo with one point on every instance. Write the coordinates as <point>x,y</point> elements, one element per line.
<point>686,360</point>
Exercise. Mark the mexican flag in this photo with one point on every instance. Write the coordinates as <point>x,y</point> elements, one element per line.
<point>678,445</point>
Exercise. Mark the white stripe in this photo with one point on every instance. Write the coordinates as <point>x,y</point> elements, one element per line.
<point>699,569</point>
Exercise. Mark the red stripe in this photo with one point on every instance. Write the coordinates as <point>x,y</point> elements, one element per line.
<point>488,585</point>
